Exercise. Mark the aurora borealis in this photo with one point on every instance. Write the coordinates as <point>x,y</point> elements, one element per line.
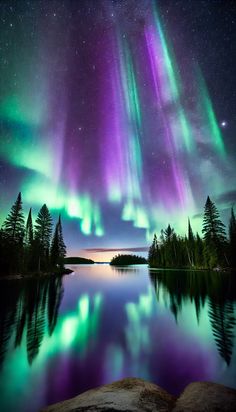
<point>118,114</point>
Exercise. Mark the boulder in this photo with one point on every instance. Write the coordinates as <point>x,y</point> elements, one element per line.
<point>129,395</point>
<point>138,395</point>
<point>206,396</point>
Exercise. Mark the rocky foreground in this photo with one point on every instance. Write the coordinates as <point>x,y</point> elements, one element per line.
<point>137,395</point>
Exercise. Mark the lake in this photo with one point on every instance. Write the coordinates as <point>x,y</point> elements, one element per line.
<point>62,336</point>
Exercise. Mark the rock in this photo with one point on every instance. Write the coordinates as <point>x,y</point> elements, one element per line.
<point>137,395</point>
<point>206,396</point>
<point>129,395</point>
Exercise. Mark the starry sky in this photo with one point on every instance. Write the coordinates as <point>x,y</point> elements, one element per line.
<point>118,114</point>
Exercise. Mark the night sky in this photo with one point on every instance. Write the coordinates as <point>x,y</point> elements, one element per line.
<point>120,115</point>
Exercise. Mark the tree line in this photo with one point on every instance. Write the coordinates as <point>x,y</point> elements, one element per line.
<point>213,250</point>
<point>31,248</point>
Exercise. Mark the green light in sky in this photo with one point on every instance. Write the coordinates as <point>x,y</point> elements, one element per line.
<point>214,129</point>
<point>141,218</point>
<point>22,110</point>
<point>74,207</point>
<point>99,231</point>
<point>38,188</point>
<point>90,216</point>
<point>132,89</point>
<point>80,206</point>
<point>114,194</point>
<point>137,214</point>
<point>186,130</point>
<point>129,85</point>
<point>133,153</point>
<point>21,150</point>
<point>169,62</point>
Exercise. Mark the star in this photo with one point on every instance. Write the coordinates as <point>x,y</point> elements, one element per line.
<point>223,123</point>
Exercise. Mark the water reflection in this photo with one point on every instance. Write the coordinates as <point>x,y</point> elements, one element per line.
<point>217,289</point>
<point>28,307</point>
<point>79,326</point>
<point>169,327</point>
<point>137,332</point>
<point>123,270</point>
<point>222,320</point>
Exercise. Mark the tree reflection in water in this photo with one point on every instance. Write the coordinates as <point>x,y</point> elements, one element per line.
<point>28,307</point>
<point>216,289</point>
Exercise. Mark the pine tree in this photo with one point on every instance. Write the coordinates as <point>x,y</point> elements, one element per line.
<point>190,232</point>
<point>11,239</point>
<point>43,231</point>
<point>169,247</point>
<point>62,246</point>
<point>14,223</point>
<point>198,253</point>
<point>29,233</point>
<point>153,253</point>
<point>168,233</point>
<point>232,239</point>
<point>58,248</point>
<point>29,244</point>
<point>190,245</point>
<point>43,227</point>
<point>54,251</point>
<point>214,235</point>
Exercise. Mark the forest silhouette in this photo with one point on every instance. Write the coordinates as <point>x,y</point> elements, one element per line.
<point>214,250</point>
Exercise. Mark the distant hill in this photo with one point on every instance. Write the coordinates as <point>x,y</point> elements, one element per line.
<point>124,260</point>
<point>77,261</point>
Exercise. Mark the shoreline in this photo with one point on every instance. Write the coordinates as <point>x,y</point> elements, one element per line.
<point>40,275</point>
<point>68,271</point>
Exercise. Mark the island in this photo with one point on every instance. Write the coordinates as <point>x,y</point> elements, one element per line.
<point>125,260</point>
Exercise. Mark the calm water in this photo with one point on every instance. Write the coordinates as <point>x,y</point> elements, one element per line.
<point>59,337</point>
